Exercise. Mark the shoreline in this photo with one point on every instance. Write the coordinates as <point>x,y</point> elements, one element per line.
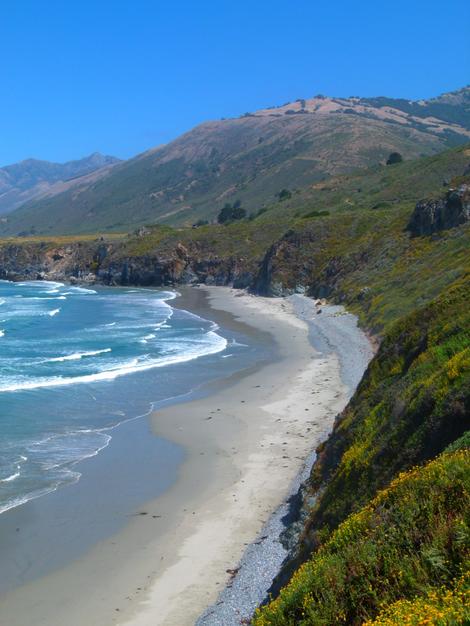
<point>275,451</point>
<point>179,551</point>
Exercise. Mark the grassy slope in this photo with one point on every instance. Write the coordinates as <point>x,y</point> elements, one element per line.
<point>442,107</point>
<point>412,402</point>
<point>410,541</point>
<point>250,159</point>
<point>363,257</point>
<point>378,187</point>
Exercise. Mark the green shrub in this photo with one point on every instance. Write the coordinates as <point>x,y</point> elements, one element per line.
<point>394,157</point>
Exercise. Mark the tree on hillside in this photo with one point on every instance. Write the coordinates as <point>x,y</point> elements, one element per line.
<point>231,213</point>
<point>394,157</point>
<point>284,194</point>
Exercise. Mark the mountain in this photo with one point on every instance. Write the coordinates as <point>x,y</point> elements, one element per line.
<point>250,159</point>
<point>32,179</point>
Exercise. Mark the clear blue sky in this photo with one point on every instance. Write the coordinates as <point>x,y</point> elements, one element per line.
<point>121,77</point>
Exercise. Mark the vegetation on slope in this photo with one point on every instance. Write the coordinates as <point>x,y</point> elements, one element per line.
<point>409,545</point>
<point>250,160</point>
<point>441,606</point>
<point>413,401</point>
<point>376,188</point>
<point>453,107</point>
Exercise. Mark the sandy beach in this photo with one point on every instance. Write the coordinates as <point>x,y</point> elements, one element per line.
<point>245,441</point>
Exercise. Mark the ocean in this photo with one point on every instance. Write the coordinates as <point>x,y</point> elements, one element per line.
<point>76,363</point>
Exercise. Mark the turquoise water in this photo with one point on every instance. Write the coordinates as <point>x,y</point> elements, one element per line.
<point>76,362</point>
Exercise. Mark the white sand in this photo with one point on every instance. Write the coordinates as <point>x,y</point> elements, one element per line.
<point>280,422</point>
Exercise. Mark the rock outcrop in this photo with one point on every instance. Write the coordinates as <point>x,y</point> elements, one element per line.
<point>113,264</point>
<point>432,216</point>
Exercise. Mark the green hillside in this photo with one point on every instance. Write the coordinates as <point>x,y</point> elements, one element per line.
<point>250,160</point>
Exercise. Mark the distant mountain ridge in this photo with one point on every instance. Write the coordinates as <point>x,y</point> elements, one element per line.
<point>448,113</point>
<point>249,159</point>
<point>33,178</point>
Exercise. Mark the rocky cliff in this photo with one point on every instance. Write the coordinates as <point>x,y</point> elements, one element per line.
<point>111,263</point>
<point>432,216</point>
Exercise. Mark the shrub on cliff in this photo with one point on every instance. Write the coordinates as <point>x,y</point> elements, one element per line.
<point>284,194</point>
<point>405,554</point>
<point>394,157</point>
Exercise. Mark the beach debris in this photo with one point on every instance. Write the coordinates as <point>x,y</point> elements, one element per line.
<point>261,539</point>
<point>233,572</point>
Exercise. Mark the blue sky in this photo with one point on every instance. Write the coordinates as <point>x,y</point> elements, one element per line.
<point>121,77</point>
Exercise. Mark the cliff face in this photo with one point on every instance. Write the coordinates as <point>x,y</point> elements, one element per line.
<point>432,216</point>
<point>109,264</point>
<point>413,401</point>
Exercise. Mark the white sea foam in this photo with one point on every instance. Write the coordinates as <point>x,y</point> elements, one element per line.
<point>10,478</point>
<point>52,284</point>
<point>236,343</point>
<point>2,333</point>
<point>169,295</point>
<point>147,338</point>
<point>83,290</point>
<point>18,501</point>
<point>53,312</point>
<point>65,449</point>
<point>75,356</point>
<point>216,344</point>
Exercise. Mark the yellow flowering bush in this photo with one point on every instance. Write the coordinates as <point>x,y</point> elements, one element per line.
<point>389,559</point>
<point>440,607</point>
